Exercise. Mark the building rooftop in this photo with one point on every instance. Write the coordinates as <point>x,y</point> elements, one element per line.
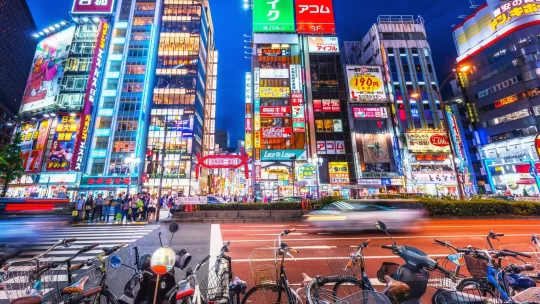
<point>399,19</point>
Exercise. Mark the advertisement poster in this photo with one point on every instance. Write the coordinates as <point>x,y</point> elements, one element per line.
<point>275,92</point>
<point>273,16</point>
<point>339,172</point>
<point>47,71</point>
<point>63,143</point>
<point>427,142</point>
<point>323,45</point>
<point>92,7</point>
<point>369,112</point>
<point>277,132</point>
<point>33,140</point>
<point>306,172</point>
<point>315,17</point>
<point>375,148</point>
<point>366,83</point>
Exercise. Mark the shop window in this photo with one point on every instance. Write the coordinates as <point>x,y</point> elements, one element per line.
<point>142,20</point>
<point>124,146</point>
<point>127,125</point>
<point>102,142</point>
<point>104,122</point>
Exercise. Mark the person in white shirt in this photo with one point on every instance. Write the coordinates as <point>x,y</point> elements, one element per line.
<point>152,205</point>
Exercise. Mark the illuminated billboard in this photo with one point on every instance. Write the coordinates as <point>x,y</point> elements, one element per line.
<point>34,136</point>
<point>61,155</point>
<point>427,142</point>
<point>43,85</point>
<point>276,16</point>
<point>323,44</point>
<point>366,83</point>
<point>315,17</point>
<point>92,7</point>
<point>339,172</point>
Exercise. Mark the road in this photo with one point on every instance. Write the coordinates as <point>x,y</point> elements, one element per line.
<point>316,246</point>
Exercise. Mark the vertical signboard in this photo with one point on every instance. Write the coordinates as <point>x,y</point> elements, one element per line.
<point>91,90</point>
<point>273,16</point>
<point>45,79</point>
<point>315,17</point>
<point>455,138</point>
<point>33,141</point>
<point>249,120</point>
<point>298,110</point>
<point>61,154</point>
<point>257,124</point>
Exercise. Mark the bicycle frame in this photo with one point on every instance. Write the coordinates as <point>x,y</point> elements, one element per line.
<point>494,277</point>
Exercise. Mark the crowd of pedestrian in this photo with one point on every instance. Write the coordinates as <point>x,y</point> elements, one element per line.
<point>125,208</point>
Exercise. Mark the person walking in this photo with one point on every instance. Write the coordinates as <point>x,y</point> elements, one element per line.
<point>106,209</point>
<point>79,207</point>
<point>88,206</point>
<point>98,207</point>
<point>152,204</point>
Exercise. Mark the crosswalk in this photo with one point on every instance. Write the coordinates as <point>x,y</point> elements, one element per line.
<point>106,236</point>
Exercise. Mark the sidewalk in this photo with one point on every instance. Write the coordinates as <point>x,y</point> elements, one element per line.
<point>162,215</point>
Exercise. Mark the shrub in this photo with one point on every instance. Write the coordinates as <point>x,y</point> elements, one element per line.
<point>253,206</point>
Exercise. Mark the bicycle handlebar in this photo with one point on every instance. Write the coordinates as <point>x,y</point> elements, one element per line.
<point>202,262</point>
<point>108,251</point>
<point>517,253</point>
<point>445,272</point>
<point>387,246</point>
<point>67,241</point>
<point>294,250</point>
<point>87,248</point>
<point>6,257</point>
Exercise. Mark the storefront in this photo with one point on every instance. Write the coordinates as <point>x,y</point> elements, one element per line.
<point>46,185</point>
<point>512,166</point>
<point>107,185</point>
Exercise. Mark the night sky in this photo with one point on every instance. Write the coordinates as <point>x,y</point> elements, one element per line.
<point>353,19</point>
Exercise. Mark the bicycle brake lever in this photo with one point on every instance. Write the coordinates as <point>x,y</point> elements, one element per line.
<point>291,256</point>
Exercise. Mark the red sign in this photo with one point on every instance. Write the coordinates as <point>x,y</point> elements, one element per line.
<point>315,17</point>
<point>276,111</point>
<point>92,7</point>
<point>248,124</point>
<point>222,162</point>
<point>439,140</point>
<point>431,157</point>
<point>106,180</point>
<point>274,132</point>
<point>326,105</point>
<point>297,99</point>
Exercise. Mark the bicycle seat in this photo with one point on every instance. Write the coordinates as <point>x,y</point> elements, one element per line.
<point>30,299</point>
<point>305,279</point>
<point>76,287</point>
<point>185,293</point>
<point>451,296</point>
<point>395,289</point>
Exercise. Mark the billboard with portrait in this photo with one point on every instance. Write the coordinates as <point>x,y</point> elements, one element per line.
<point>33,140</point>
<point>63,143</point>
<point>43,85</point>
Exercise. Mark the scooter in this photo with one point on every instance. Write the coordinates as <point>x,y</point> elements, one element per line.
<point>414,273</point>
<point>154,274</point>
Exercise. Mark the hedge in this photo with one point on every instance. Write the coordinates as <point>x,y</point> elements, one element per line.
<point>435,207</point>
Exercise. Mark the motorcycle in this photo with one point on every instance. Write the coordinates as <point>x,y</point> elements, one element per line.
<point>414,273</point>
<point>154,274</point>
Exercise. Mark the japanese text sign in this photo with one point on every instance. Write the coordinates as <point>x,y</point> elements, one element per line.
<point>273,16</point>
<point>275,92</point>
<point>282,111</point>
<point>315,17</point>
<point>339,172</point>
<point>63,144</point>
<point>365,83</point>
<point>431,142</point>
<point>370,112</point>
<point>323,44</point>
<point>92,7</point>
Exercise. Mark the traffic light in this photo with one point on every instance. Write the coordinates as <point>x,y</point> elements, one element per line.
<point>149,155</point>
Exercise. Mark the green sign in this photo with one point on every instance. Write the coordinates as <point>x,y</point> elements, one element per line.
<point>273,16</point>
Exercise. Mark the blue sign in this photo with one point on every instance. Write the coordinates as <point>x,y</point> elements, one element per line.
<point>283,155</point>
<point>532,171</point>
<point>386,182</point>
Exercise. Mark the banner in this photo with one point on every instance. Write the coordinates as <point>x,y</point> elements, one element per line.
<point>274,92</point>
<point>33,141</point>
<point>194,200</point>
<point>283,111</point>
<point>366,83</point>
<point>61,154</point>
<point>339,172</point>
<point>427,142</point>
<point>375,148</point>
<point>315,17</point>
<point>45,79</point>
<point>274,73</point>
<point>283,155</point>
<point>321,44</point>
<point>369,112</point>
<point>275,16</point>
<point>91,90</point>
<point>277,132</point>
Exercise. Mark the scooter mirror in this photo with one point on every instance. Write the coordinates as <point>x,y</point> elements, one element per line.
<point>380,225</point>
<point>162,260</point>
<point>173,227</point>
<point>115,261</point>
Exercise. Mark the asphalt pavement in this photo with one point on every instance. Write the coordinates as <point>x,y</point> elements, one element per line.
<point>316,246</point>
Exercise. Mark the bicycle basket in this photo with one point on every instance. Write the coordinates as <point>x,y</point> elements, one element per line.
<point>365,297</point>
<point>263,264</point>
<point>20,280</point>
<point>477,267</point>
<point>215,286</point>
<point>467,296</point>
<point>528,249</point>
<point>338,262</point>
<point>437,279</point>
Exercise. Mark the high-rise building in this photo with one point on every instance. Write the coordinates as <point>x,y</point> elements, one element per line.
<point>398,44</point>
<point>497,69</point>
<point>58,102</point>
<point>17,49</point>
<point>223,139</point>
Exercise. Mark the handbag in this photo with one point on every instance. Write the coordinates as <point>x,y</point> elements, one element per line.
<point>140,209</point>
<point>129,211</point>
<point>88,207</point>
<point>75,213</point>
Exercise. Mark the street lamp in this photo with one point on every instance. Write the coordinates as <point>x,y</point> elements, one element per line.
<point>131,161</point>
<point>317,163</point>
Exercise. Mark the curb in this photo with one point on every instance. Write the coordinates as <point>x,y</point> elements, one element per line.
<point>230,220</point>
<point>109,224</point>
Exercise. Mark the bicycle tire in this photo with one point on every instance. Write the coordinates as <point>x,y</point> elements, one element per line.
<point>265,295</point>
<point>105,297</point>
<point>471,283</point>
<point>347,286</point>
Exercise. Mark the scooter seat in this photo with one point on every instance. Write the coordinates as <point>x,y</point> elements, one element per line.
<point>76,287</point>
<point>444,295</point>
<point>305,279</point>
<point>30,299</point>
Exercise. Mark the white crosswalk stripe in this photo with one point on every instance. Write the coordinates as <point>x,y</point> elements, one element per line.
<point>106,236</point>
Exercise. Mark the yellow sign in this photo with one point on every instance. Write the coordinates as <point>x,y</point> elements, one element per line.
<point>339,172</point>
<point>275,92</point>
<point>278,171</point>
<point>507,100</point>
<point>257,122</point>
<point>257,143</point>
<point>365,83</point>
<point>506,16</point>
<point>248,142</point>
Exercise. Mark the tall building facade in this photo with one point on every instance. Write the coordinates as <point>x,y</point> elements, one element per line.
<point>58,102</point>
<point>398,44</point>
<point>18,47</point>
<point>497,68</point>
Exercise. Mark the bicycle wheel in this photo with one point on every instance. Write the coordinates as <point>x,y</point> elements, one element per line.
<point>266,295</point>
<point>347,286</point>
<point>476,284</point>
<point>105,297</point>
